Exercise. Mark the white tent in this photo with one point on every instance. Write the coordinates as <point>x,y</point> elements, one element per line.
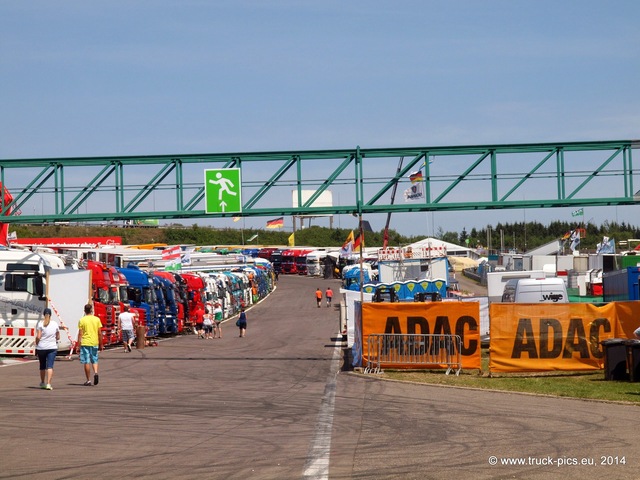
<point>452,249</point>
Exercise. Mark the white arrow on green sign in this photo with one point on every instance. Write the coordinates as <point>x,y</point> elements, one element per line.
<point>223,190</point>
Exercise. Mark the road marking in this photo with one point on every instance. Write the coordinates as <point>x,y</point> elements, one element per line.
<point>317,466</point>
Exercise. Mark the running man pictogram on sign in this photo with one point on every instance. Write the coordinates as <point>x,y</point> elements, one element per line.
<point>224,184</point>
<point>223,190</point>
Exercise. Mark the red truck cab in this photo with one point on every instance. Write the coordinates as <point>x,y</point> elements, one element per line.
<point>106,300</point>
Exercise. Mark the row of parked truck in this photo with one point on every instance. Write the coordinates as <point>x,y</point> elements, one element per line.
<point>166,302</point>
<point>297,261</point>
<point>292,260</point>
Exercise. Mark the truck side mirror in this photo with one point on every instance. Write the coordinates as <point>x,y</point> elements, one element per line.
<point>38,288</point>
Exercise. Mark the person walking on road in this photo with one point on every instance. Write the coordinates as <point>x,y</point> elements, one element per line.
<point>217,321</point>
<point>199,313</point>
<point>126,324</point>
<point>89,343</point>
<point>47,347</point>
<point>207,324</point>
<point>329,296</point>
<point>242,323</point>
<point>318,297</point>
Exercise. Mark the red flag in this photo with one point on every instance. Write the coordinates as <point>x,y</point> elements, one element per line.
<point>171,253</point>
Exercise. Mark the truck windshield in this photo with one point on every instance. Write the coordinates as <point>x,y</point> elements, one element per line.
<point>114,295</point>
<point>124,296</point>
<point>23,283</point>
<point>350,281</point>
<point>103,296</point>
<point>149,296</point>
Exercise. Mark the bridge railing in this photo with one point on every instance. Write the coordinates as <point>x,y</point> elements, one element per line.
<point>413,350</point>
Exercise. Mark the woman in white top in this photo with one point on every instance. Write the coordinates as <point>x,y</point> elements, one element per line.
<point>47,337</point>
<point>207,323</point>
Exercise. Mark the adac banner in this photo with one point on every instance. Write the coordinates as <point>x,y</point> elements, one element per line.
<point>450,318</point>
<point>546,337</point>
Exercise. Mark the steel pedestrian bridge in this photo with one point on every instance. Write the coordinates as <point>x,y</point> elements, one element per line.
<point>481,177</point>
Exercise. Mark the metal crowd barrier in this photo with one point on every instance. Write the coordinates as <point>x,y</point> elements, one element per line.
<point>413,350</point>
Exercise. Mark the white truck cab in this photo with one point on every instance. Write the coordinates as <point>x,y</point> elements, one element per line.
<point>28,284</point>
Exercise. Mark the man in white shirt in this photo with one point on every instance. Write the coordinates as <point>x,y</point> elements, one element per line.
<point>126,323</point>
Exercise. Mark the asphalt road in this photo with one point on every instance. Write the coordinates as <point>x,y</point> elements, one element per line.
<point>470,286</point>
<point>274,405</point>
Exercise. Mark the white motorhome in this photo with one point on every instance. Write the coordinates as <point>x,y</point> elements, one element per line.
<point>535,290</point>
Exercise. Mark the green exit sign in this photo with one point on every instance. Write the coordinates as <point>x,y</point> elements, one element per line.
<point>223,190</point>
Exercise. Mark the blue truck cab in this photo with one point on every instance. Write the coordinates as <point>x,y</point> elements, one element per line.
<point>167,305</point>
<point>141,293</point>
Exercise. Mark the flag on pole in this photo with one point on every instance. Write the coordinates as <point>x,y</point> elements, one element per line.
<point>606,246</point>
<point>173,266</point>
<point>172,257</point>
<point>358,242</point>
<point>292,240</point>
<point>252,238</point>
<point>416,191</point>
<point>575,240</point>
<point>171,253</point>
<point>577,213</point>
<point>186,257</point>
<point>275,223</point>
<point>347,246</point>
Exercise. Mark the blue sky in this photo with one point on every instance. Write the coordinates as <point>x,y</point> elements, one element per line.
<point>161,77</point>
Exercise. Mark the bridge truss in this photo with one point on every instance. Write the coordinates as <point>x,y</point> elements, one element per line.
<point>482,177</point>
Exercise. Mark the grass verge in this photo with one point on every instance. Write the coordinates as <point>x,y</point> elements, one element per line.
<point>585,385</point>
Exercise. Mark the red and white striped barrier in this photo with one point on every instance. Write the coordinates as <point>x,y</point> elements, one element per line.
<point>72,342</point>
<point>391,254</point>
<point>386,254</point>
<point>428,252</point>
<point>17,341</point>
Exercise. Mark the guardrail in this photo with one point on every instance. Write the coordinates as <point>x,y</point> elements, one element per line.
<point>413,350</point>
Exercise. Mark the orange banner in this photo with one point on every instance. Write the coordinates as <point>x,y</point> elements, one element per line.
<point>628,314</point>
<point>546,337</point>
<point>451,318</point>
